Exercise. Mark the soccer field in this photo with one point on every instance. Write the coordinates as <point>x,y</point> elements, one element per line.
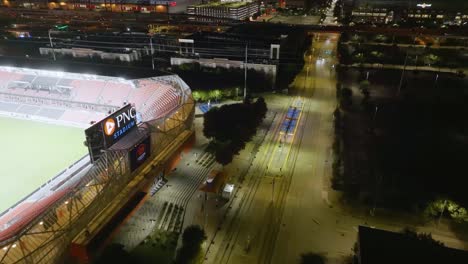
<point>32,153</point>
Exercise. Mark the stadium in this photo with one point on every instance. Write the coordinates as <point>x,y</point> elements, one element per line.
<point>76,148</point>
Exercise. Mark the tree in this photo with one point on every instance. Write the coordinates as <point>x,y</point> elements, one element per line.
<point>359,57</point>
<point>224,153</point>
<point>426,238</point>
<point>345,96</point>
<point>192,238</point>
<point>364,85</point>
<point>431,59</point>
<point>439,207</point>
<point>232,126</point>
<point>312,258</point>
<point>260,109</point>
<point>210,122</point>
<point>215,94</point>
<point>115,253</point>
<point>196,95</point>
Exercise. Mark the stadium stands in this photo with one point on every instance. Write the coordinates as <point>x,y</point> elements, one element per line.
<point>80,99</point>
<point>87,91</point>
<point>114,94</point>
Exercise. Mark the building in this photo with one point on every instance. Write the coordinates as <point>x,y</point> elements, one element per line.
<point>294,3</point>
<point>385,247</point>
<point>66,214</point>
<point>146,6</point>
<point>231,10</point>
<point>204,48</point>
<point>129,56</point>
<point>372,15</point>
<point>435,12</point>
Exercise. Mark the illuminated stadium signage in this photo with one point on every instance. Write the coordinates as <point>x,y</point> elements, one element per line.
<point>111,129</point>
<point>140,153</point>
<point>118,124</point>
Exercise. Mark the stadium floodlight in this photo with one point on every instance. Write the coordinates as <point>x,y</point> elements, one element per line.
<point>41,222</point>
<point>13,246</point>
<point>424,5</point>
<point>5,248</point>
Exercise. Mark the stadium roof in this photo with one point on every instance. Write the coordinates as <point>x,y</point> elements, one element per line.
<point>111,70</point>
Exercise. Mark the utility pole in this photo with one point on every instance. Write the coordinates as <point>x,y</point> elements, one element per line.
<point>402,74</point>
<point>404,68</point>
<point>152,51</point>
<point>245,73</point>
<point>442,213</point>
<point>273,189</point>
<point>52,45</point>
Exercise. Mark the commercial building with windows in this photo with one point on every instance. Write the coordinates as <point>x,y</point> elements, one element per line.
<point>232,10</point>
<point>434,12</point>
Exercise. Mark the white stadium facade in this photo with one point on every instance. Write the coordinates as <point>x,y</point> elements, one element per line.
<point>62,217</point>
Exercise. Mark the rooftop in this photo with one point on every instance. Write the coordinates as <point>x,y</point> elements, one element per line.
<point>451,5</point>
<point>224,4</point>
<point>385,247</point>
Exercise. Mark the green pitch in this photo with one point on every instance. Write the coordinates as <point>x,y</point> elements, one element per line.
<point>32,153</point>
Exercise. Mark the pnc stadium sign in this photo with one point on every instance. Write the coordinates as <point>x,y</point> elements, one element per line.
<point>118,124</point>
<point>105,133</point>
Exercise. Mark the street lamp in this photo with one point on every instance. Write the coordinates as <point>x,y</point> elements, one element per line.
<point>307,76</point>
<point>107,161</point>
<point>51,45</point>
<point>152,51</point>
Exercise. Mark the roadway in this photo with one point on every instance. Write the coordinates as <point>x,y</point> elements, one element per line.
<point>309,222</point>
<point>248,235</point>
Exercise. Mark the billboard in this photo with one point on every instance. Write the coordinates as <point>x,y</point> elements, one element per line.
<point>105,133</point>
<point>140,153</point>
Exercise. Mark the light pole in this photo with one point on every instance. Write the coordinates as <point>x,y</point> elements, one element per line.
<point>404,68</point>
<point>107,162</point>
<point>307,76</point>
<point>442,213</point>
<point>245,73</point>
<point>273,189</point>
<point>152,51</point>
<point>52,45</point>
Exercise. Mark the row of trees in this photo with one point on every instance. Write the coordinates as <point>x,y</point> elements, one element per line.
<point>215,95</point>
<point>397,55</point>
<point>231,126</point>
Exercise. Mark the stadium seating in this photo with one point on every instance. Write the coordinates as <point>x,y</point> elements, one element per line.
<point>153,98</point>
<point>115,94</point>
<point>8,77</point>
<point>75,116</point>
<point>50,113</point>
<point>87,90</point>
<point>8,107</point>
